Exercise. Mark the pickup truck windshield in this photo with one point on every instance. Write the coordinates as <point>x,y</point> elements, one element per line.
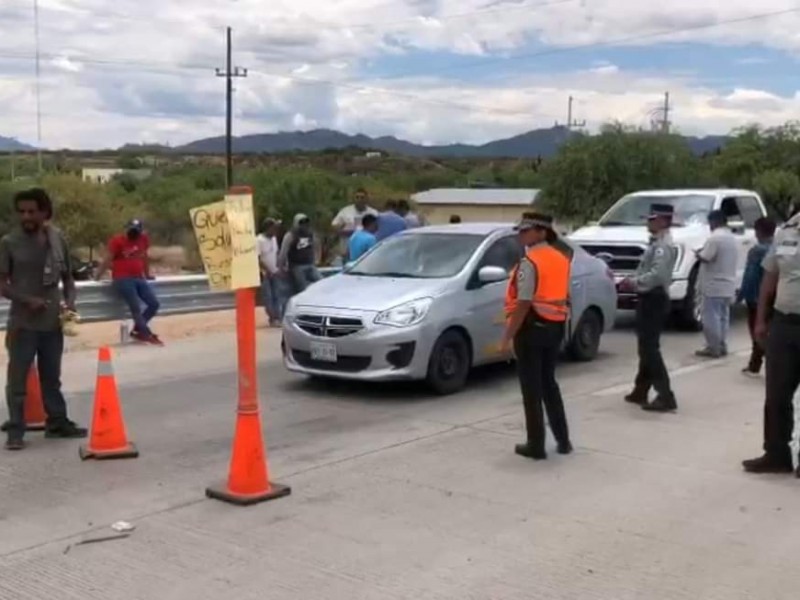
<point>418,255</point>
<point>634,210</point>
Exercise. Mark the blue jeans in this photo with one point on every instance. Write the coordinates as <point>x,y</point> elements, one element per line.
<point>303,276</point>
<point>716,323</point>
<point>274,296</point>
<point>135,291</point>
<point>46,348</point>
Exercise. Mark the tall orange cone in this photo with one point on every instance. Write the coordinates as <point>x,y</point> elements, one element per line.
<point>35,417</point>
<point>248,476</point>
<point>107,438</point>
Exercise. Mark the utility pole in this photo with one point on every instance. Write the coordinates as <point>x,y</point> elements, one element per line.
<point>665,124</point>
<point>572,123</point>
<point>38,89</point>
<point>229,73</point>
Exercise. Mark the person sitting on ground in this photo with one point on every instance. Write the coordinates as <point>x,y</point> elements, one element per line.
<point>130,275</point>
<point>363,239</point>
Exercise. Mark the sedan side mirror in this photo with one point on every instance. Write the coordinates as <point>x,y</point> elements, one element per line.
<point>490,274</point>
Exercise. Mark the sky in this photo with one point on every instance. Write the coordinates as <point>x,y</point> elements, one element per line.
<point>429,71</point>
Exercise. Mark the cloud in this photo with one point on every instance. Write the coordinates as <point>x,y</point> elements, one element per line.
<point>115,71</point>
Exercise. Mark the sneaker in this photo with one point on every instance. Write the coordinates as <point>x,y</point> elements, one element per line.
<point>153,340</point>
<point>748,372</point>
<point>15,444</point>
<point>565,447</point>
<point>636,398</point>
<point>708,353</point>
<point>66,430</point>
<point>138,337</point>
<point>528,451</point>
<point>662,405</point>
<point>769,464</point>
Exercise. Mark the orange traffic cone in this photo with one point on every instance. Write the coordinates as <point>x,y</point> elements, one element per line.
<point>35,417</point>
<point>107,438</point>
<point>248,477</point>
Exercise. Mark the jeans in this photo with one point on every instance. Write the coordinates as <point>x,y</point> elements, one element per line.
<point>274,296</point>
<point>536,346</point>
<point>652,310</point>
<point>303,276</point>
<point>25,346</point>
<point>783,379</point>
<point>135,291</point>
<point>716,323</point>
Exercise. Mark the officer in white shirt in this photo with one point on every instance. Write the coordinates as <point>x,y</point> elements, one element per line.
<point>349,219</point>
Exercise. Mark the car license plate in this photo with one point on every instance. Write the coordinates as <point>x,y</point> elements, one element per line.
<point>323,352</point>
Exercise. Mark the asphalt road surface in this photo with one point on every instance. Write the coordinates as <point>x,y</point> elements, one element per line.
<point>401,494</point>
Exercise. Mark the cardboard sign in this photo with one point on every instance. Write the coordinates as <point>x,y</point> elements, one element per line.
<point>225,233</point>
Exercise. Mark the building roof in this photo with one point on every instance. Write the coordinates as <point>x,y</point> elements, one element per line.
<point>482,196</point>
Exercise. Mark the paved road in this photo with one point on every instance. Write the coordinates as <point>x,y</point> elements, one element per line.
<point>400,494</point>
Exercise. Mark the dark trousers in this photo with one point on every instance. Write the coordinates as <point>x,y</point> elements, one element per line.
<point>652,309</point>
<point>303,276</point>
<point>136,291</point>
<point>757,353</point>
<point>537,345</point>
<point>783,378</point>
<point>25,346</point>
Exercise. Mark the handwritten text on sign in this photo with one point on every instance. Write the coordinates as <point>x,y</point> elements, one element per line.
<point>210,225</point>
<point>244,248</point>
<point>225,233</point>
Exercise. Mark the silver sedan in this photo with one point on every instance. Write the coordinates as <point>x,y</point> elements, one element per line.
<point>427,304</point>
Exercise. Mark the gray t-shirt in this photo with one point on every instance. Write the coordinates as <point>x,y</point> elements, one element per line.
<point>783,258</point>
<point>720,258</point>
<point>22,263</point>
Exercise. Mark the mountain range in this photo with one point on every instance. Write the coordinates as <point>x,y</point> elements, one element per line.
<point>12,145</point>
<point>532,144</point>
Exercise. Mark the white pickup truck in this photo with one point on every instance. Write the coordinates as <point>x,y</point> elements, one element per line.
<point>620,238</point>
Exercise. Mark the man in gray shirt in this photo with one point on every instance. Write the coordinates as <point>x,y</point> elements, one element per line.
<point>34,260</point>
<point>781,284</point>
<point>719,259</point>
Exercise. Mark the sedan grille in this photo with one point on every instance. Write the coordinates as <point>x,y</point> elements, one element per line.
<point>620,259</point>
<point>331,327</point>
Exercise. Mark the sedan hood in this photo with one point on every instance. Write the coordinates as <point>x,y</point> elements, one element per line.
<point>354,292</point>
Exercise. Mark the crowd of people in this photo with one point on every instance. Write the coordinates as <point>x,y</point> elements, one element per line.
<point>537,302</point>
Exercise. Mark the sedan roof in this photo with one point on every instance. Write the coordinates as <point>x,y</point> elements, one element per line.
<point>484,229</point>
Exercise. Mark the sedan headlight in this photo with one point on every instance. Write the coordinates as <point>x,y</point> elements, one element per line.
<point>406,314</point>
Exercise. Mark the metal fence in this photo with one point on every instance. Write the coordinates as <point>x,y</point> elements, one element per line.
<point>178,295</point>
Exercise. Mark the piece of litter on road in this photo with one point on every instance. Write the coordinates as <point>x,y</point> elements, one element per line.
<point>123,527</point>
<point>107,538</point>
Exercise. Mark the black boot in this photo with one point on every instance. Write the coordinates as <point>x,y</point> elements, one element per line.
<point>530,451</point>
<point>770,463</point>
<point>565,447</point>
<point>65,429</point>
<point>636,397</point>
<point>662,404</point>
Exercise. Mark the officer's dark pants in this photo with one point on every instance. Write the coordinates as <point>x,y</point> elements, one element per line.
<point>25,346</point>
<point>537,346</point>
<point>652,309</point>
<point>783,378</point>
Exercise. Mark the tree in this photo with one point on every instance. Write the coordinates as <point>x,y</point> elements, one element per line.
<point>780,189</point>
<point>589,173</point>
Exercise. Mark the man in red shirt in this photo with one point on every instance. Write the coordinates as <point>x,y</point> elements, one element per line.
<point>130,274</point>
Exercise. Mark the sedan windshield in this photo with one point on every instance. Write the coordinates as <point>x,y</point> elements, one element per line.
<point>418,255</point>
<point>634,210</point>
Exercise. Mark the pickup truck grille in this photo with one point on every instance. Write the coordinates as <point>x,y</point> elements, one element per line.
<point>623,259</point>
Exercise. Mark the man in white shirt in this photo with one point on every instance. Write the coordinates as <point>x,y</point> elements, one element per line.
<point>273,292</point>
<point>719,259</point>
<point>349,219</point>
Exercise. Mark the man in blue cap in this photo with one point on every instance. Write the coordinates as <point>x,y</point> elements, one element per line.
<point>130,274</point>
<point>651,282</point>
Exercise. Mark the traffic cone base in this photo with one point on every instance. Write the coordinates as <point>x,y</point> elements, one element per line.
<point>129,451</point>
<point>221,492</point>
<point>35,416</point>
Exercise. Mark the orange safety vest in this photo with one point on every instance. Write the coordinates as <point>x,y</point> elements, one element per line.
<point>551,297</point>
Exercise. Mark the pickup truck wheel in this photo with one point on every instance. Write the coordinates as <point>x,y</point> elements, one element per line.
<point>585,341</point>
<point>690,314</point>
<point>449,364</point>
